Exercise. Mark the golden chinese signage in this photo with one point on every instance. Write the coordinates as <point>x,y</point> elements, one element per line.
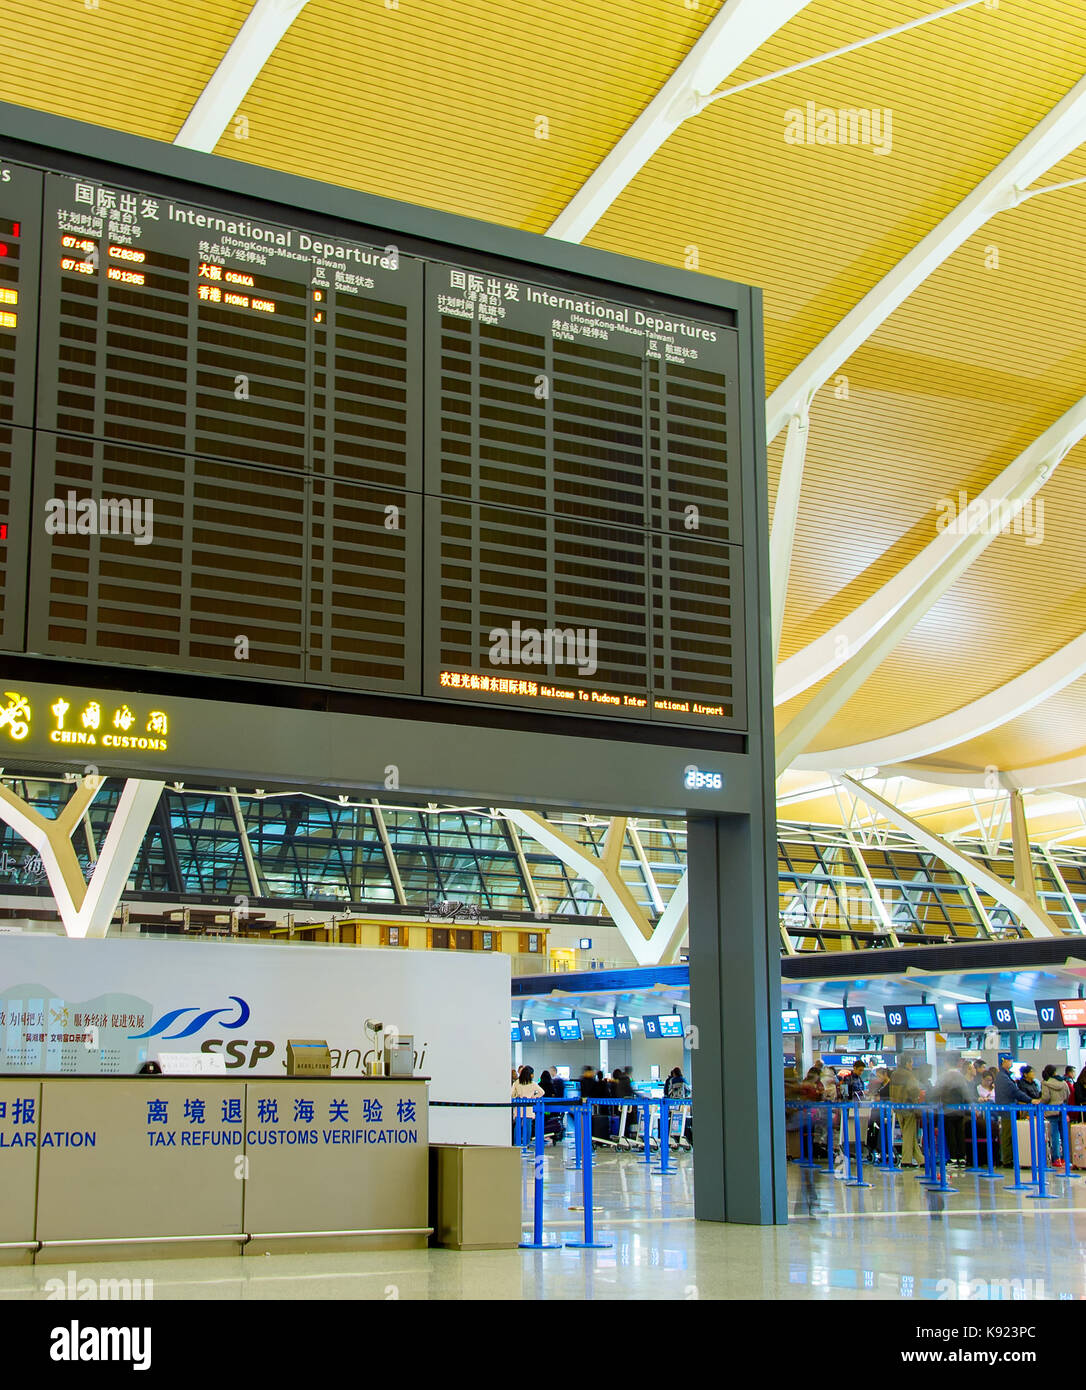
<point>95,723</point>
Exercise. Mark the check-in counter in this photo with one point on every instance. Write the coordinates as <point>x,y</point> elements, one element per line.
<point>114,1167</point>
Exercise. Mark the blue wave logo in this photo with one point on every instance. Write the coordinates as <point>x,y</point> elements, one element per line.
<point>195,1024</point>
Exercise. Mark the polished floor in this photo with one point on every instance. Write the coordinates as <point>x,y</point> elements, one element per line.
<point>893,1240</point>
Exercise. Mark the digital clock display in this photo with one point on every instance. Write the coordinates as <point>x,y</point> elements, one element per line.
<point>696,779</point>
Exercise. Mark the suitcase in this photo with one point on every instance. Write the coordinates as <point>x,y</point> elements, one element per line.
<point>1024,1153</point>
<point>1078,1145</point>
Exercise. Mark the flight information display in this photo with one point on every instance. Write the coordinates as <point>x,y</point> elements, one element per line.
<point>262,449</point>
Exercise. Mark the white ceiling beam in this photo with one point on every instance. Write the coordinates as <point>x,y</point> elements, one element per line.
<point>1040,808</point>
<point>1036,923</point>
<point>737,31</point>
<point>1064,773</point>
<point>991,711</point>
<point>785,512</point>
<point>1061,131</point>
<point>253,45</point>
<point>798,735</point>
<point>647,944</point>
<point>1061,778</point>
<point>1021,478</point>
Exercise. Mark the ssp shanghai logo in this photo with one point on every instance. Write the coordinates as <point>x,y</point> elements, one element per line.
<point>193,1025</point>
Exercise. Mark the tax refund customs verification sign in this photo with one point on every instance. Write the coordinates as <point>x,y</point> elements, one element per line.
<point>102,1007</point>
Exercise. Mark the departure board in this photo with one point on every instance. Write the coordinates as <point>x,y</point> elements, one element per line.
<point>235,445</point>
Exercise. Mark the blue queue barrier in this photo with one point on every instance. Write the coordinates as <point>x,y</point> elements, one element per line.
<point>932,1124</point>
<point>937,1128</point>
<point>1012,1111</point>
<point>1065,1125</point>
<point>1037,1144</point>
<point>537,1242</point>
<point>664,1122</point>
<point>589,1242</point>
<point>858,1181</point>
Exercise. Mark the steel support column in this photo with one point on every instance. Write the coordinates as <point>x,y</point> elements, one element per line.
<point>735,1000</point>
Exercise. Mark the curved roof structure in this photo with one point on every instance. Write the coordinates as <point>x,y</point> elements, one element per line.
<point>906,181</point>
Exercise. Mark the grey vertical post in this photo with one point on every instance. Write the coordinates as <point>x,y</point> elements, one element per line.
<point>737,1068</point>
<point>735,992</point>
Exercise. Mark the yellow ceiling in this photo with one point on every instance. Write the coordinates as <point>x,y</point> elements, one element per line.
<point>439,103</point>
<point>135,65</point>
<point>443,104</point>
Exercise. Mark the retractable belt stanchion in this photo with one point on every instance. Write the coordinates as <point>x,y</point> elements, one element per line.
<point>975,1166</point>
<point>927,1115</point>
<point>939,1136</point>
<point>928,1178</point>
<point>846,1145</point>
<point>886,1136</point>
<point>927,1144</point>
<point>858,1181</point>
<point>1018,1185</point>
<point>665,1137</point>
<point>1068,1170</point>
<point>537,1242</point>
<point>1040,1155</point>
<point>589,1242</point>
<point>807,1139</point>
<point>991,1173</point>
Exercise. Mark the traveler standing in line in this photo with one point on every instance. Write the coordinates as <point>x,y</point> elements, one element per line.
<point>956,1089</point>
<point>1054,1092</point>
<point>811,1089</point>
<point>546,1085</point>
<point>1079,1089</point>
<point>830,1092</point>
<point>986,1085</point>
<point>524,1089</point>
<point>1007,1092</point>
<point>880,1091</point>
<point>1069,1082</point>
<point>558,1083</point>
<point>905,1090</point>
<point>1029,1083</point>
<point>854,1089</point>
<point>624,1091</point>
